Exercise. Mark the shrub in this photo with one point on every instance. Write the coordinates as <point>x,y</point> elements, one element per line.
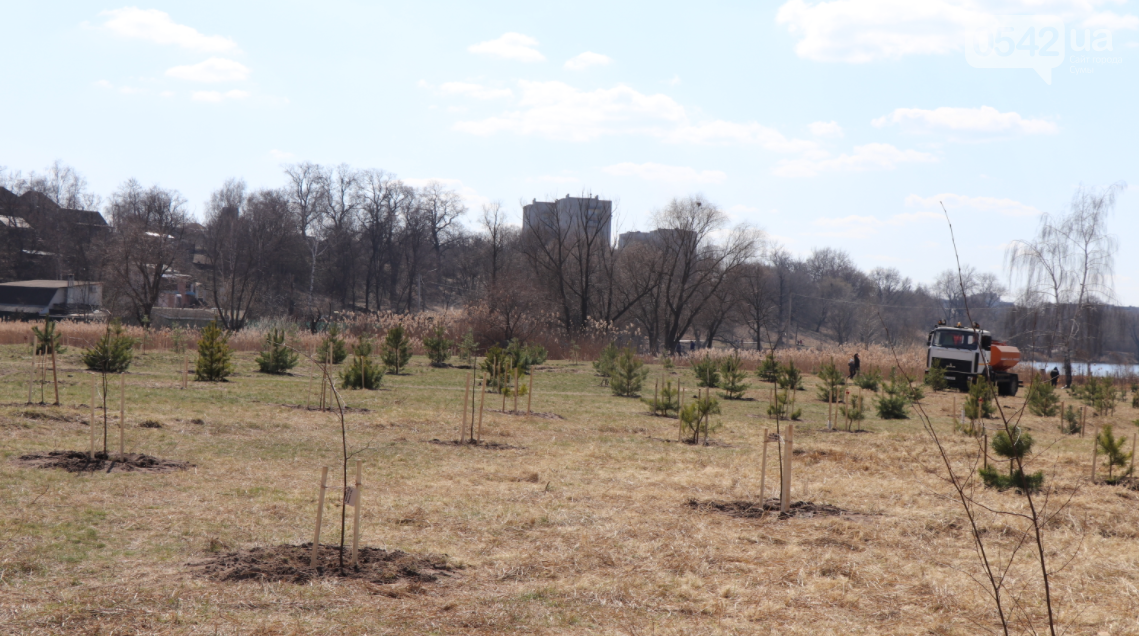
<point>768,370</point>
<point>48,339</point>
<point>854,412</point>
<point>334,343</point>
<point>980,392</point>
<point>275,357</point>
<point>898,386</point>
<point>783,408</point>
<point>1071,424</point>
<point>707,372</point>
<point>497,365</point>
<point>397,349</point>
<point>112,352</point>
<point>830,381</point>
<point>696,417</point>
<point>438,346</point>
<point>1112,449</point>
<point>467,347</point>
<point>1013,448</point>
<point>1098,393</point>
<point>214,355</point>
<point>733,378</point>
<point>868,380</point>
<point>667,363</point>
<point>606,362</point>
<point>1135,401</point>
<point>892,407</point>
<point>790,377</point>
<point>1017,479</point>
<point>526,355</point>
<point>628,375</point>
<point>1042,399</point>
<point>666,401</point>
<point>362,372</point>
<point>935,377</point>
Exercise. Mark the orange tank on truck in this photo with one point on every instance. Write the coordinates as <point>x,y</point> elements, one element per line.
<point>1003,356</point>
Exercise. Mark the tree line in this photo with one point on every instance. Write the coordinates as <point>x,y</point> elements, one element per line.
<point>334,239</point>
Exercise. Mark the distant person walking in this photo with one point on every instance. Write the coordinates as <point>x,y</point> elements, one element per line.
<point>1055,375</point>
<point>855,365</point>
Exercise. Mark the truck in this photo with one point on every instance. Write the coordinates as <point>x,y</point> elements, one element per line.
<point>967,353</point>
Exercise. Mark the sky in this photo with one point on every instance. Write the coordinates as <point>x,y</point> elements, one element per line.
<point>838,123</point>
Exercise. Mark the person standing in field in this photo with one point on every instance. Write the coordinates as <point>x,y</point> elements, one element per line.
<point>852,366</point>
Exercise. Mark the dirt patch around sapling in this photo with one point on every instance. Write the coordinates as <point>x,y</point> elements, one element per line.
<point>290,564</point>
<point>755,509</point>
<point>547,416</point>
<point>479,444</point>
<point>80,462</point>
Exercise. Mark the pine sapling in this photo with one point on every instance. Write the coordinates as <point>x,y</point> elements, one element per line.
<point>707,372</point>
<point>628,375</point>
<point>438,346</point>
<point>111,353</point>
<point>1114,452</point>
<point>397,349</point>
<point>332,346</point>
<point>275,357</point>
<point>733,378</point>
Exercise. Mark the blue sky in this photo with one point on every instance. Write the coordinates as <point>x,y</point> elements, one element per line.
<point>838,123</point>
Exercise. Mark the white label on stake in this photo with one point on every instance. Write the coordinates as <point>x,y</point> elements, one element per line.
<point>351,496</point>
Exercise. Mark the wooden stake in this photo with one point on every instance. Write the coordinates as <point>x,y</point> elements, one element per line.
<point>830,407</point>
<point>1083,419</point>
<point>32,377</point>
<point>656,396</point>
<point>54,376</point>
<point>846,402</point>
<point>319,515</point>
<point>186,374</point>
<point>1095,452</point>
<point>530,392</point>
<point>308,391</point>
<point>482,401</point>
<point>94,382</point>
<point>517,374</point>
<point>356,514</point>
<point>763,470</point>
<point>122,412</point>
<point>788,449</point>
<point>1062,418</point>
<point>466,392</point>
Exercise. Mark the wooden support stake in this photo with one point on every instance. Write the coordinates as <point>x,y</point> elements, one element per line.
<point>680,403</point>
<point>186,374</point>
<point>91,450</point>
<point>1095,452</point>
<point>656,396</point>
<point>32,377</point>
<point>482,401</point>
<point>1062,425</point>
<point>985,443</point>
<point>830,407</point>
<point>122,413</point>
<point>517,374</point>
<point>466,392</point>
<point>54,376</point>
<point>763,470</point>
<point>1131,470</point>
<point>319,515</point>
<point>1083,419</point>
<point>530,392</point>
<point>788,450</point>
<point>356,514</point>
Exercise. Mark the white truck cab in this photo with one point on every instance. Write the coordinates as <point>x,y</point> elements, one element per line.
<point>967,353</point>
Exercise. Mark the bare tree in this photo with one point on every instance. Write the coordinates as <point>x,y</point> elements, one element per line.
<point>146,245</point>
<point>1069,264</point>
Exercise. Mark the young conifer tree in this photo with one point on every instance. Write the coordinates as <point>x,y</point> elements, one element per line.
<point>215,358</point>
<point>397,349</point>
<point>628,375</point>
<point>275,357</point>
<point>111,353</point>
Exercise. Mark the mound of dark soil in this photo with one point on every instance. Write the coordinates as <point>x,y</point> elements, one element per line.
<point>482,444</point>
<point>547,416</point>
<point>79,462</point>
<point>290,564</point>
<point>755,509</point>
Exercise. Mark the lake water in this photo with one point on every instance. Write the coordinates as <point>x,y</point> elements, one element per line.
<point>1098,368</point>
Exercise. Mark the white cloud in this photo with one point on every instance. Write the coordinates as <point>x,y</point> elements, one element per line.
<point>659,172</point>
<point>556,110</point>
<point>281,155</point>
<point>167,93</point>
<point>103,84</point>
<point>985,119</point>
<point>585,60</point>
<point>1004,207</point>
<point>860,31</point>
<point>825,129</point>
<point>217,96</point>
<point>674,81</point>
<point>1110,20</point>
<point>157,26</point>
<point>215,69</point>
<point>510,46</point>
<point>476,91</point>
<point>875,156</point>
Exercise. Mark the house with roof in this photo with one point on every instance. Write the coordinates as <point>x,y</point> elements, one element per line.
<point>31,299</point>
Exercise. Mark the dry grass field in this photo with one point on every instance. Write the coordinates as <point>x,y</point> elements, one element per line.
<point>582,527</point>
